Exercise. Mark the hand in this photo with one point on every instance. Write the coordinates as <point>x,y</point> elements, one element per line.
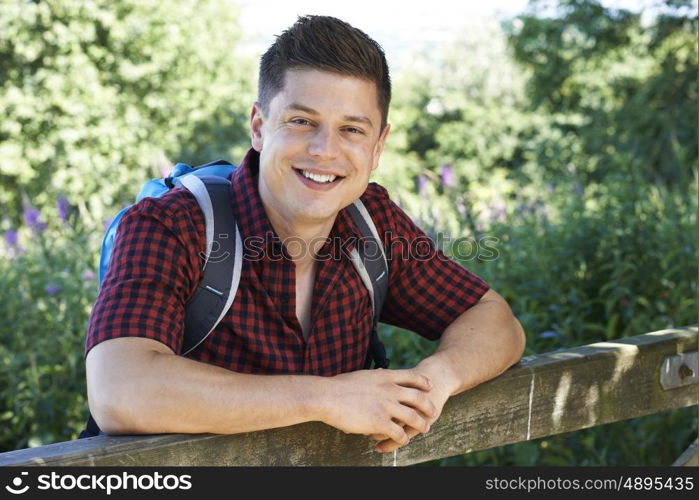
<point>380,402</point>
<point>438,396</point>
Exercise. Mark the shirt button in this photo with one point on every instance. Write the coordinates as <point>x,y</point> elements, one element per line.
<point>285,297</point>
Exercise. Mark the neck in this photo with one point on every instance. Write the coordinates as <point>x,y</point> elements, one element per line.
<point>302,239</point>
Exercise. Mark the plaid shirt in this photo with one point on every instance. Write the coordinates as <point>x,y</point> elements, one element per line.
<point>155,267</point>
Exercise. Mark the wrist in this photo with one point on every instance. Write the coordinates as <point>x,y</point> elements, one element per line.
<point>316,398</point>
<point>441,373</point>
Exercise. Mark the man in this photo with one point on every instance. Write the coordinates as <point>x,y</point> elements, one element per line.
<point>292,346</point>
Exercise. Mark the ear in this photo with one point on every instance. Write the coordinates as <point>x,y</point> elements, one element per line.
<point>378,148</point>
<point>256,130</point>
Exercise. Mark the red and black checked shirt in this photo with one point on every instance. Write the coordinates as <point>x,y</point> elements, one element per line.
<point>155,267</point>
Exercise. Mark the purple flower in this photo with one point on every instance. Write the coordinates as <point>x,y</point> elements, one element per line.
<point>52,289</point>
<point>88,276</point>
<point>579,190</point>
<point>63,208</point>
<point>11,238</point>
<point>447,176</point>
<point>421,184</point>
<point>31,217</point>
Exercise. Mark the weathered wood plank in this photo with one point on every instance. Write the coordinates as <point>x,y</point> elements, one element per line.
<point>542,395</point>
<point>690,457</point>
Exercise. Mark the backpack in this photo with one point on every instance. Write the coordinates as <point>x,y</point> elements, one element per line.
<point>210,185</point>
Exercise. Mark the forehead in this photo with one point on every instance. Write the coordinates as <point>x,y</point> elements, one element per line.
<point>328,90</point>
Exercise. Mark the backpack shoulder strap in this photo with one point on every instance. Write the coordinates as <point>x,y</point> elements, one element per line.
<point>369,259</point>
<point>222,263</point>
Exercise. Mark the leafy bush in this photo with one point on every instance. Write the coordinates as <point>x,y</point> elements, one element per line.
<point>46,292</point>
<point>616,260</point>
<point>630,80</point>
<point>577,153</point>
<point>99,96</point>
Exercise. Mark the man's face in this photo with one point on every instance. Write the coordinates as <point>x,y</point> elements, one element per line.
<point>321,125</point>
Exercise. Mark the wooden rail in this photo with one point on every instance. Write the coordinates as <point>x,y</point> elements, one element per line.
<point>541,396</point>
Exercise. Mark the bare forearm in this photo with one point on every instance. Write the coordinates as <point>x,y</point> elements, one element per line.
<point>478,346</point>
<point>138,386</point>
<point>172,394</point>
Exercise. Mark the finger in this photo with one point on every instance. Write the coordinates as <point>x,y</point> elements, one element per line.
<point>393,431</point>
<point>389,445</point>
<point>418,400</point>
<point>379,437</point>
<point>411,432</point>
<point>386,446</point>
<point>411,378</point>
<point>410,417</point>
<point>396,433</point>
<point>408,430</point>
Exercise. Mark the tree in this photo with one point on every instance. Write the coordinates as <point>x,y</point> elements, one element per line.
<point>99,96</point>
<point>630,80</point>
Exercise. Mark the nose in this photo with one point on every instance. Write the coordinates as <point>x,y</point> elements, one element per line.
<point>323,144</point>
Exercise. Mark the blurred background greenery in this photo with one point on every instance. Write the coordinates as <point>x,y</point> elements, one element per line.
<point>560,146</point>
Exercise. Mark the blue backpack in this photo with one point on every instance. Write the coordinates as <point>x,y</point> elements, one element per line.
<point>210,185</point>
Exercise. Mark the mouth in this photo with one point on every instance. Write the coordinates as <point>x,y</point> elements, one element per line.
<point>312,178</point>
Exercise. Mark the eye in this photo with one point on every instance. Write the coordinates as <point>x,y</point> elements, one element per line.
<point>300,121</point>
<point>354,130</point>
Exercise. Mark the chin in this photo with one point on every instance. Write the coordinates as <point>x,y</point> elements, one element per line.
<point>319,214</point>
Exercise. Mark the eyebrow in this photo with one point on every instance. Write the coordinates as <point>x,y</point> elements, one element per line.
<point>351,118</point>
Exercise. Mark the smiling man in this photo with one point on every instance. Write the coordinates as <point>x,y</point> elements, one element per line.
<point>293,345</point>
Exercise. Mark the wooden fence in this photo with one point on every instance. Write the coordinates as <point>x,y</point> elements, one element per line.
<point>541,396</point>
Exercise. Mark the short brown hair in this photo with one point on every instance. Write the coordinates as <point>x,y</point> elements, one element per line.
<point>327,44</point>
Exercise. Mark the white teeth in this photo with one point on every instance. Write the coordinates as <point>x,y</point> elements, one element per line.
<point>318,177</point>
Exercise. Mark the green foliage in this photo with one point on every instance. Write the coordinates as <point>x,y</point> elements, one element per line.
<point>581,166</point>
<point>46,293</point>
<point>464,111</point>
<point>615,261</point>
<point>99,96</point>
<point>632,86</point>
<point>570,89</point>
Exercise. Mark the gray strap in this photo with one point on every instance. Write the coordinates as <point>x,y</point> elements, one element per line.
<point>370,222</point>
<point>195,186</point>
<point>361,270</point>
<point>223,263</point>
<point>373,269</point>
<point>235,282</point>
